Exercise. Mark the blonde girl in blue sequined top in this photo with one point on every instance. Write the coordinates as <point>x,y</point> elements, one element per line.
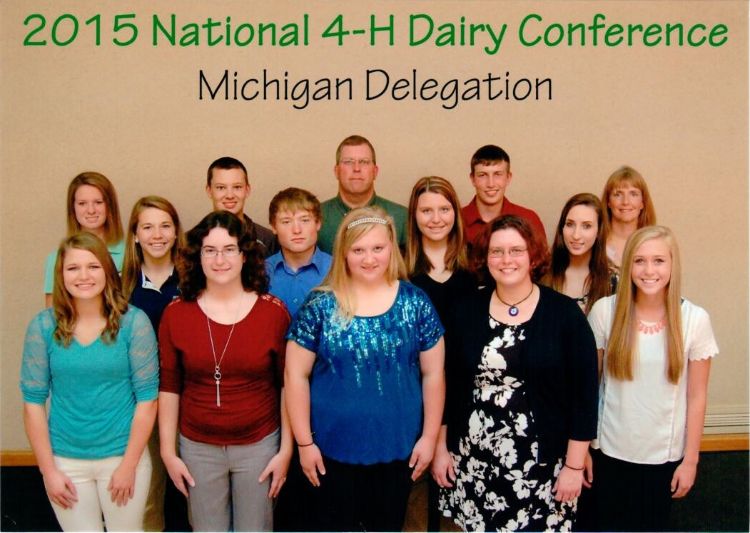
<point>95,358</point>
<point>364,381</point>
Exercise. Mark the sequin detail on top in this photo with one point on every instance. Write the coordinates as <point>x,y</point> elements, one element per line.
<point>366,380</point>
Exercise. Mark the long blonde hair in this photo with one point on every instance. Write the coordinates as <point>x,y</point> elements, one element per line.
<point>455,256</point>
<point>338,279</point>
<point>623,342</point>
<point>114,304</point>
<point>133,252</point>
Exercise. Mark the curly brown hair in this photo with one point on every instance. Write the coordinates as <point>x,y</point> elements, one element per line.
<point>192,277</point>
<point>538,253</point>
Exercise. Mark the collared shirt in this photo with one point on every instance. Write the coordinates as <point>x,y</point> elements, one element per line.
<point>152,299</point>
<point>334,210</point>
<point>292,287</point>
<point>474,225</point>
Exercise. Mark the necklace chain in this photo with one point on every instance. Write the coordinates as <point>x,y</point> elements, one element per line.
<point>513,308</point>
<point>217,364</point>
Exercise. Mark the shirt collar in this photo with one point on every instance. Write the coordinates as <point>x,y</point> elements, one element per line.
<point>277,260</point>
<point>147,284</point>
<point>345,208</point>
<point>471,212</point>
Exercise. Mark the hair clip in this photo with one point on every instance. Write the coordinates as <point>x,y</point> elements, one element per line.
<point>366,220</point>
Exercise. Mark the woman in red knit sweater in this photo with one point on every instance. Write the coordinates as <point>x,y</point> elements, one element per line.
<point>222,361</point>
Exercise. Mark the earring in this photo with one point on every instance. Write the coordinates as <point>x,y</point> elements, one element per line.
<point>137,241</point>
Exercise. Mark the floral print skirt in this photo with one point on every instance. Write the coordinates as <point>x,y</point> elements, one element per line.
<point>500,484</point>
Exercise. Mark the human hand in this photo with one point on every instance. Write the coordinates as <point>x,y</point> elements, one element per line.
<point>421,456</point>
<point>443,471</point>
<point>568,484</point>
<point>60,489</point>
<point>683,479</point>
<point>178,473</point>
<point>121,484</point>
<point>588,470</point>
<point>312,463</point>
<point>277,468</point>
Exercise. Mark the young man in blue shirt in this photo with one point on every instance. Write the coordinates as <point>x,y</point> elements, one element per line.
<point>300,266</point>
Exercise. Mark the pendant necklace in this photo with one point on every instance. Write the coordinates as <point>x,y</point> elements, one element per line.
<point>513,308</point>
<point>217,364</point>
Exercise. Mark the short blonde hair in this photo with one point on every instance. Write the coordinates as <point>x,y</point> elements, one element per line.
<point>338,279</point>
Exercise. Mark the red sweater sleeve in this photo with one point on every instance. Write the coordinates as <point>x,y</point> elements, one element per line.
<point>170,371</point>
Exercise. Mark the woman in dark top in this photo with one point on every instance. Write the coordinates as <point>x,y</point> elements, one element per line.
<point>580,268</point>
<point>435,250</point>
<point>522,394</point>
<point>436,263</point>
<point>150,282</point>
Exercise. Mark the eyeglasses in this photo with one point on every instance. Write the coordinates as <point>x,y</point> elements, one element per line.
<point>350,162</point>
<point>227,251</point>
<point>497,253</point>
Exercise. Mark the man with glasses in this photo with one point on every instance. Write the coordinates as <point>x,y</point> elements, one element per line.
<point>356,169</point>
<point>490,174</point>
<point>228,188</point>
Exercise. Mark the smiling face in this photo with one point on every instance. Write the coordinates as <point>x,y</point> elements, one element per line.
<point>490,182</point>
<point>368,258</point>
<point>226,266</point>
<point>434,216</point>
<point>508,259</point>
<point>228,190</point>
<point>155,232</point>
<point>356,171</point>
<point>297,231</point>
<point>580,229</point>
<point>90,209</point>
<point>625,203</point>
<point>652,267</point>
<point>83,274</point>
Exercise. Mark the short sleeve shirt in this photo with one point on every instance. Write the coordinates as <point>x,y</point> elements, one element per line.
<point>644,420</point>
<point>365,385</point>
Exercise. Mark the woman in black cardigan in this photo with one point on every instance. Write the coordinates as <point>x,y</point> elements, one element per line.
<point>521,407</point>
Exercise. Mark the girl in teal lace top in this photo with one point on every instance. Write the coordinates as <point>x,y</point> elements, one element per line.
<point>96,359</point>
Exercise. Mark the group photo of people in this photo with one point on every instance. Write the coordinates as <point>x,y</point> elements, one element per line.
<point>310,371</point>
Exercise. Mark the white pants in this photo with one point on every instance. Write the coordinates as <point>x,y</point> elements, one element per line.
<point>91,478</point>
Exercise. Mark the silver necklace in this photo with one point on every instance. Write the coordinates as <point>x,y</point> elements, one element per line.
<point>513,308</point>
<point>217,364</point>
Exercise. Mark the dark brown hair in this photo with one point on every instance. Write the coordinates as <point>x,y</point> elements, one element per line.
<point>192,277</point>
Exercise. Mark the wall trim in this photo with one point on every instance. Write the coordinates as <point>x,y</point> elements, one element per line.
<point>729,442</point>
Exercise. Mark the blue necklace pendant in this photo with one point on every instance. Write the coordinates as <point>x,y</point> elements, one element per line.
<point>513,310</point>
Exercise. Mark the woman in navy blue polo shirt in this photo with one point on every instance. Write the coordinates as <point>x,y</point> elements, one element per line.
<point>150,282</point>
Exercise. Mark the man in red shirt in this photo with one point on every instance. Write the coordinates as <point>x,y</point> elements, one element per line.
<point>491,175</point>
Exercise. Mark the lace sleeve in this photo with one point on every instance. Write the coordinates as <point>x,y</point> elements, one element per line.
<point>35,374</point>
<point>144,360</point>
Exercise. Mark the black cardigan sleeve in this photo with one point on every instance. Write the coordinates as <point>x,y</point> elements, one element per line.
<point>560,362</point>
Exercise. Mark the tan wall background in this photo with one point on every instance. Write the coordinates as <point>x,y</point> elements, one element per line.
<point>679,115</point>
